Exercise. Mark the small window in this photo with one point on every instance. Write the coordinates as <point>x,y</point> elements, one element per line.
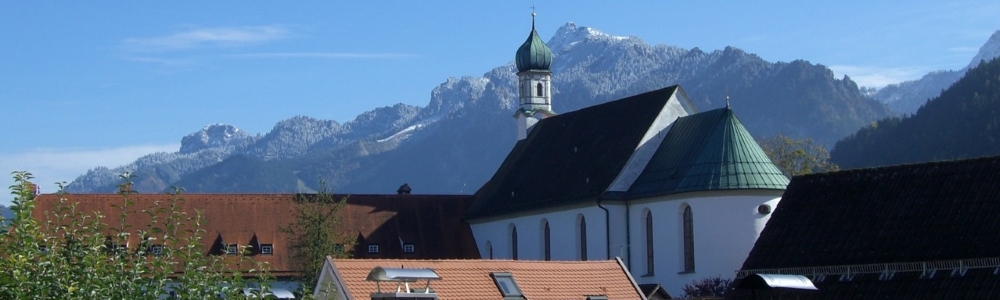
<point>513,242</point>
<point>408,248</point>
<point>505,282</point>
<point>372,248</point>
<point>117,248</point>
<point>267,249</point>
<point>232,249</point>
<point>546,242</point>
<point>156,249</point>
<point>649,243</point>
<point>540,89</point>
<point>688,240</point>
<point>583,238</point>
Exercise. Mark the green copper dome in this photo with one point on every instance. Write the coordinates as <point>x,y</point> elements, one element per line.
<point>533,54</point>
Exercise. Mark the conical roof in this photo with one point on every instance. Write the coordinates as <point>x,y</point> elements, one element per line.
<point>533,54</point>
<point>707,151</point>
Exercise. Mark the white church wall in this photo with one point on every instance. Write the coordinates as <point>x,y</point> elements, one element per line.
<point>494,233</point>
<point>725,225</point>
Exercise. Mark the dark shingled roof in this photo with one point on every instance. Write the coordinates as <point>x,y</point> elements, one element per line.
<point>707,151</point>
<point>571,157</point>
<point>939,215</point>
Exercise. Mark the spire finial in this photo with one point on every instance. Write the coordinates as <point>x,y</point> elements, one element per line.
<point>532,16</point>
<point>727,96</point>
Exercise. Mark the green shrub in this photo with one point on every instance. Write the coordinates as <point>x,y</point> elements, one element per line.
<point>68,254</point>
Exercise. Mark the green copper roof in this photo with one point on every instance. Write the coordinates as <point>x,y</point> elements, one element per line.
<point>707,151</point>
<point>533,54</point>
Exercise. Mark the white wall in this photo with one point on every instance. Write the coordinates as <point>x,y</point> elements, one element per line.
<point>564,238</point>
<point>726,225</point>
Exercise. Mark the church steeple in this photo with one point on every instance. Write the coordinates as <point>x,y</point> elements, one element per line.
<point>533,59</point>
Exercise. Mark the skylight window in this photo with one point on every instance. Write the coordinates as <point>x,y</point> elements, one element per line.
<point>267,249</point>
<point>508,287</point>
<point>409,248</point>
<point>232,249</point>
<point>372,248</point>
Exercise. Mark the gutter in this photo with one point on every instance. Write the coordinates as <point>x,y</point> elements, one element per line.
<point>628,236</point>
<point>607,227</point>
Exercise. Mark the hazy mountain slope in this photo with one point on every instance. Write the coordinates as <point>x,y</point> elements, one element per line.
<point>458,140</point>
<point>906,97</point>
<point>964,121</point>
<point>242,174</point>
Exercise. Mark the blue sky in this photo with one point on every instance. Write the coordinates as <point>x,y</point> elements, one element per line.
<point>84,84</point>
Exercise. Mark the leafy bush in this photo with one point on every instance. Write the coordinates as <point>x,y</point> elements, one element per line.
<point>710,287</point>
<point>68,254</point>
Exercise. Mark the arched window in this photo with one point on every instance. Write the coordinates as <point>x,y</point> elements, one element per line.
<point>513,242</point>
<point>546,241</point>
<point>539,89</point>
<point>649,242</point>
<point>688,240</point>
<point>582,236</point>
<point>489,249</point>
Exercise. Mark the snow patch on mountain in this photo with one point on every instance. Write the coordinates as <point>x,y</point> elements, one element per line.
<point>213,135</point>
<point>403,134</point>
<point>569,35</point>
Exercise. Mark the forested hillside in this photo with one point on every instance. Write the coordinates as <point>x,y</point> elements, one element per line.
<point>964,121</point>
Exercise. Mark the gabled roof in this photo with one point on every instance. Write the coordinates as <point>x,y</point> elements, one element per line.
<point>431,222</point>
<point>938,217</point>
<point>710,150</point>
<point>571,157</point>
<point>470,279</point>
<point>654,291</point>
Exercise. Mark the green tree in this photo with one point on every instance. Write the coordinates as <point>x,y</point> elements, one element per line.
<point>67,254</point>
<point>796,157</point>
<point>315,234</point>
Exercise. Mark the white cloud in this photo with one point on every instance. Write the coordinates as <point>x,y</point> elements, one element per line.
<point>331,55</point>
<point>878,77</point>
<point>51,165</point>
<point>207,37</point>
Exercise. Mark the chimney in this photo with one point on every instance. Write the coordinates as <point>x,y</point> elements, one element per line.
<point>404,189</point>
<point>34,189</point>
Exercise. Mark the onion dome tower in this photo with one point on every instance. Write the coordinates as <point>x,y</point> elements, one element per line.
<point>534,82</point>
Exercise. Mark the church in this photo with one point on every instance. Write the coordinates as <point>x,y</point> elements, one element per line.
<point>677,194</point>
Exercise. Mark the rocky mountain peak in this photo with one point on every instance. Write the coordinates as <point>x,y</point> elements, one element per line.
<point>212,135</point>
<point>569,35</point>
<point>988,51</point>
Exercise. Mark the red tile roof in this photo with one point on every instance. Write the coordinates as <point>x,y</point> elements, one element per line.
<point>470,279</point>
<point>431,222</point>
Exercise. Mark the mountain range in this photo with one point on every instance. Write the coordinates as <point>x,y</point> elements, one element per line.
<point>906,97</point>
<point>963,122</point>
<point>454,143</point>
